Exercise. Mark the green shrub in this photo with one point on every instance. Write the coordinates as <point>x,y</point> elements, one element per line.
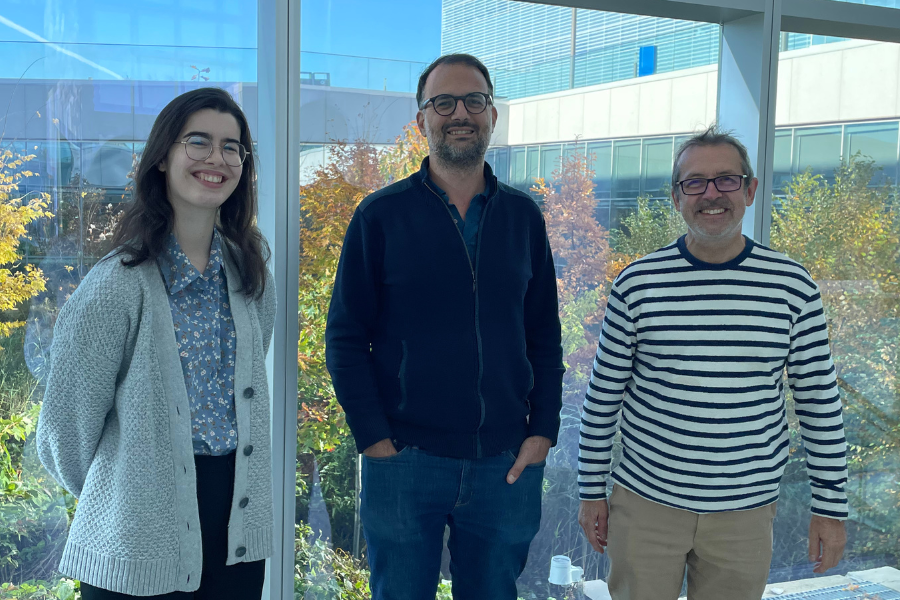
<point>64,589</point>
<point>34,511</point>
<point>322,573</point>
<point>17,386</point>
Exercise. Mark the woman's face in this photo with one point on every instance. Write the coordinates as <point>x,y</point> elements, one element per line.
<point>203,184</point>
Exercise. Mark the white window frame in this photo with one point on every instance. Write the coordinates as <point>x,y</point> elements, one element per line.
<point>278,132</point>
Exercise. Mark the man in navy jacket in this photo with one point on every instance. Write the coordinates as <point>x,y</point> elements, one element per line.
<point>443,343</point>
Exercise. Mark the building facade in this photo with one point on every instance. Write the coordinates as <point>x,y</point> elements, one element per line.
<point>536,49</point>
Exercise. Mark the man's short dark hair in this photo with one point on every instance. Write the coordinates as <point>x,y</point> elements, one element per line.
<point>712,136</point>
<point>452,59</point>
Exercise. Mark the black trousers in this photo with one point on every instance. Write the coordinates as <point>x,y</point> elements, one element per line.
<point>243,581</point>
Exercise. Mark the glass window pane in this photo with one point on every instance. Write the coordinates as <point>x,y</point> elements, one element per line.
<point>599,157</point>
<point>106,164</point>
<point>533,168</point>
<point>498,158</point>
<point>626,169</point>
<point>312,158</point>
<point>603,169</point>
<point>656,169</point>
<point>550,157</point>
<point>817,149</point>
<point>573,148</point>
<point>781,163</point>
<point>845,232</point>
<point>874,141</point>
<point>82,83</point>
<point>518,174</point>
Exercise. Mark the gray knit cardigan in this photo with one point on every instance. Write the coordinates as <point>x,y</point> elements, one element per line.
<point>115,430</point>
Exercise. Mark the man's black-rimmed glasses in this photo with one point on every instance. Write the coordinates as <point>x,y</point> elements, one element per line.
<point>724,183</point>
<point>445,104</point>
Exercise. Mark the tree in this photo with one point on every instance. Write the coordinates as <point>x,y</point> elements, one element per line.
<point>652,225</point>
<point>584,260</point>
<point>847,234</point>
<point>32,523</point>
<point>18,283</point>
<point>326,207</point>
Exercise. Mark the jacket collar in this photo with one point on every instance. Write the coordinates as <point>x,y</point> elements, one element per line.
<point>422,176</point>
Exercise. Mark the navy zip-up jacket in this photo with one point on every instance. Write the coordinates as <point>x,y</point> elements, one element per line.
<point>428,350</point>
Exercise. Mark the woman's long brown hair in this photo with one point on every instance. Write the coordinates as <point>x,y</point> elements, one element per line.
<point>145,225</point>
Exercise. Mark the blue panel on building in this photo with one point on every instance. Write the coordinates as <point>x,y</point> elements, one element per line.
<point>646,60</point>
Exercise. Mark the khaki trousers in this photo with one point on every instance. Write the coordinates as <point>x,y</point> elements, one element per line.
<point>727,554</point>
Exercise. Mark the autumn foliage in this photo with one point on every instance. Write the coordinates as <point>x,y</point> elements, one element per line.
<point>847,234</point>
<point>351,172</point>
<point>18,283</point>
<point>585,265</point>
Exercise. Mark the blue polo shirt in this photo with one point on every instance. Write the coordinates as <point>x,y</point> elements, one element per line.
<point>468,227</point>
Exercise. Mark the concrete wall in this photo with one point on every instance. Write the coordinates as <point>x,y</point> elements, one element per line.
<point>840,82</point>
<point>846,81</point>
<point>656,105</point>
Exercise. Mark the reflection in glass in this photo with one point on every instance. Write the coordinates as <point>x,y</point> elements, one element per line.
<point>656,168</point>
<point>877,141</point>
<point>626,178</point>
<point>518,175</point>
<point>533,167</point>
<point>550,157</point>
<point>817,149</point>
<point>80,106</point>
<point>781,162</point>
<point>842,233</point>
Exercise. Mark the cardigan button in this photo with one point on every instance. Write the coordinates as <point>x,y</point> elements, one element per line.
<point>248,450</point>
<point>244,502</point>
<point>248,393</point>
<point>240,551</point>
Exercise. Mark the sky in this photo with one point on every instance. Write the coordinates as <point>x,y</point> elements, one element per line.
<point>161,39</point>
<point>392,29</point>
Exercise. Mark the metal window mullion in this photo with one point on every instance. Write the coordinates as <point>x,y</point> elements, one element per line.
<point>746,100</point>
<point>278,59</point>
<point>765,201</point>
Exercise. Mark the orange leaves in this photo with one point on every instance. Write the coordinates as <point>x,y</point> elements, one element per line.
<point>578,241</point>
<point>581,252</point>
<point>327,204</point>
<point>406,156</point>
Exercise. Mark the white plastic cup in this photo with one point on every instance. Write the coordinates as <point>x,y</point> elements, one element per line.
<point>560,570</point>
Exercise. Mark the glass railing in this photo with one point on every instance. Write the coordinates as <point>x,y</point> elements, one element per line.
<point>125,62</point>
<point>359,72</point>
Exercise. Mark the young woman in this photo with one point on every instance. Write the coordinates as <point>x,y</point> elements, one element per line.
<point>156,410</point>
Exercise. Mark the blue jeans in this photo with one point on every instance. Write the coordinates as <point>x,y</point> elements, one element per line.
<point>408,498</point>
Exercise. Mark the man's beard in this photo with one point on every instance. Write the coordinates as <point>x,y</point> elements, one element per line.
<point>463,157</point>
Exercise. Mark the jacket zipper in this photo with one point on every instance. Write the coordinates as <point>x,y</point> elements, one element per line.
<point>473,268</point>
<point>461,238</point>
<point>402,377</point>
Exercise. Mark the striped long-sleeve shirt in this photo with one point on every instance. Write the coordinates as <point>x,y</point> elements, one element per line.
<point>690,366</point>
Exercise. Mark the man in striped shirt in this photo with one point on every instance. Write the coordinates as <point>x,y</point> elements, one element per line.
<point>690,364</point>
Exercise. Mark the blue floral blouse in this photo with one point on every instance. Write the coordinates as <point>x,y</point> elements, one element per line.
<point>206,340</point>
